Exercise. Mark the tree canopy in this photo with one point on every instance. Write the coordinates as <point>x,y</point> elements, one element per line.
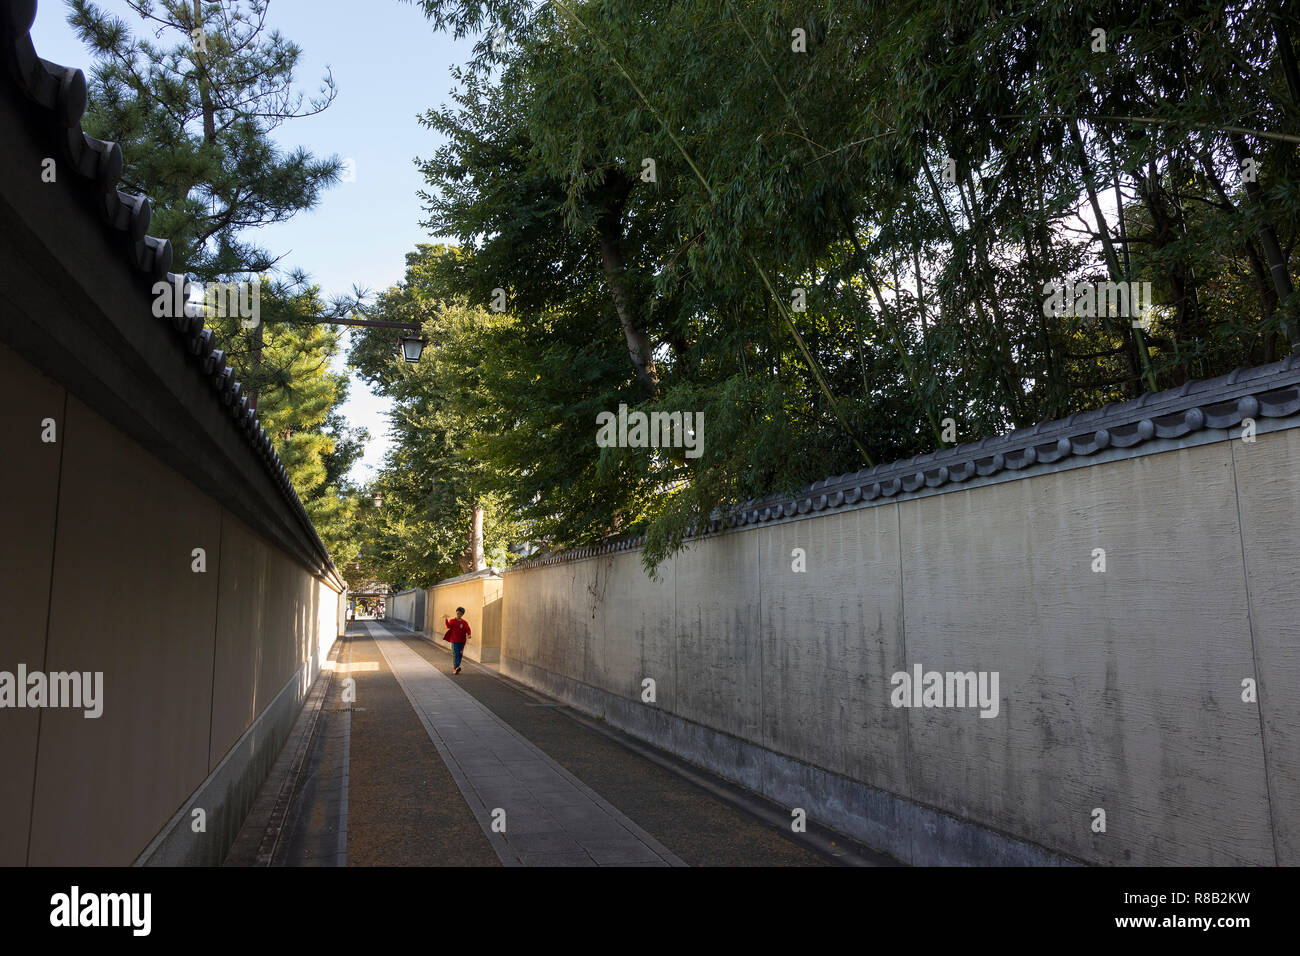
<point>834,231</point>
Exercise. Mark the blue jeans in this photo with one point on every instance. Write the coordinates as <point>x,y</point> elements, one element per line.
<point>456,651</point>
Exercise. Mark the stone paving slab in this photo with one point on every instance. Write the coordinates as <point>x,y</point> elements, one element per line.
<point>551,817</point>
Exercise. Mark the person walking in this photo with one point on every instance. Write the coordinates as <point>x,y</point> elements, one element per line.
<point>457,634</point>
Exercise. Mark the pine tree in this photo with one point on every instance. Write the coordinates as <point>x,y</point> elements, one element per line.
<point>194,113</point>
<point>194,118</point>
<point>300,414</point>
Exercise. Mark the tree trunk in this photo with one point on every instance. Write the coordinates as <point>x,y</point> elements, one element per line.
<point>209,115</point>
<point>1277,261</point>
<point>474,553</point>
<point>1127,333</point>
<point>1011,394</point>
<point>1286,55</point>
<point>1264,287</point>
<point>1008,374</point>
<point>1112,259</point>
<point>609,227</point>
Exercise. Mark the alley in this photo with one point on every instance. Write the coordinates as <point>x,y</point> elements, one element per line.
<point>411,765</point>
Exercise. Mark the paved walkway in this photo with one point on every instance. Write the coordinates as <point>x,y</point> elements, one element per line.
<point>532,810</point>
<point>421,768</point>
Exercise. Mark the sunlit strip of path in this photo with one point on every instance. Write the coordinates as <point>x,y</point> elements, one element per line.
<point>549,816</point>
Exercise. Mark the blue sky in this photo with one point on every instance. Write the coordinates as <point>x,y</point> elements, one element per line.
<point>390,66</point>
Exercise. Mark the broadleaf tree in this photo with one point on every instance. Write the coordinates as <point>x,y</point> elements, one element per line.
<point>837,240</point>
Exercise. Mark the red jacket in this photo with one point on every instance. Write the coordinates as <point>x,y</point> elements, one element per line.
<point>457,631</point>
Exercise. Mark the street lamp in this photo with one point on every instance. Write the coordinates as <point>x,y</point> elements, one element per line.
<point>412,346</point>
<point>411,343</point>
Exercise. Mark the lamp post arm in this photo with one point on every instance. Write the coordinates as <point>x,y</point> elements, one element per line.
<point>373,324</point>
